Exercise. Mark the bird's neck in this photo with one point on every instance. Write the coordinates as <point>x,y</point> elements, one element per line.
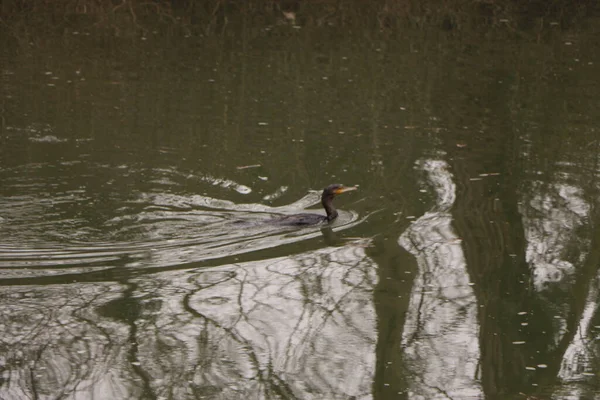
<point>329,209</point>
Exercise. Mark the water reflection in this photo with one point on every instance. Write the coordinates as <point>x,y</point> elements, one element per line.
<point>440,336</point>
<point>561,252</point>
<point>295,325</point>
<point>289,325</point>
<point>55,344</point>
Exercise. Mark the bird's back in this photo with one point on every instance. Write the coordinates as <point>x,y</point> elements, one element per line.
<point>299,219</point>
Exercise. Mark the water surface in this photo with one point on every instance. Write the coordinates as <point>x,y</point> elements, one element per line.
<point>465,266</point>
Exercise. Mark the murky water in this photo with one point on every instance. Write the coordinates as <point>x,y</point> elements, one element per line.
<point>138,177</point>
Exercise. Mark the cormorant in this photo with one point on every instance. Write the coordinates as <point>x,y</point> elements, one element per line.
<point>312,219</point>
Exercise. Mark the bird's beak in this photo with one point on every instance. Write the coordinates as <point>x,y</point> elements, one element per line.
<point>345,189</point>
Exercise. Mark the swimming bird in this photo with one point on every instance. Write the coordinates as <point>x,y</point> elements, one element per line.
<point>312,219</point>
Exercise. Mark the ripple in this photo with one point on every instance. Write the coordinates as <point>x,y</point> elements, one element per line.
<point>154,238</point>
<point>72,222</point>
<point>160,241</point>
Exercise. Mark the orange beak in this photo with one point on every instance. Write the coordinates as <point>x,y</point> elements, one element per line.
<point>345,189</point>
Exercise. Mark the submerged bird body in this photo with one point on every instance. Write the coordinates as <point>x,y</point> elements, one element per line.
<point>299,219</point>
<point>312,219</point>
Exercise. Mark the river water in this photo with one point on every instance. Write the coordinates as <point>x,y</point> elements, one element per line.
<point>138,175</point>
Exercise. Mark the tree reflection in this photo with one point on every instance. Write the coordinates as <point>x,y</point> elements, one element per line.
<point>55,345</point>
<point>285,327</point>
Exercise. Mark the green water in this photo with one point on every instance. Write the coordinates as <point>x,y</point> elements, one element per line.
<point>465,266</point>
